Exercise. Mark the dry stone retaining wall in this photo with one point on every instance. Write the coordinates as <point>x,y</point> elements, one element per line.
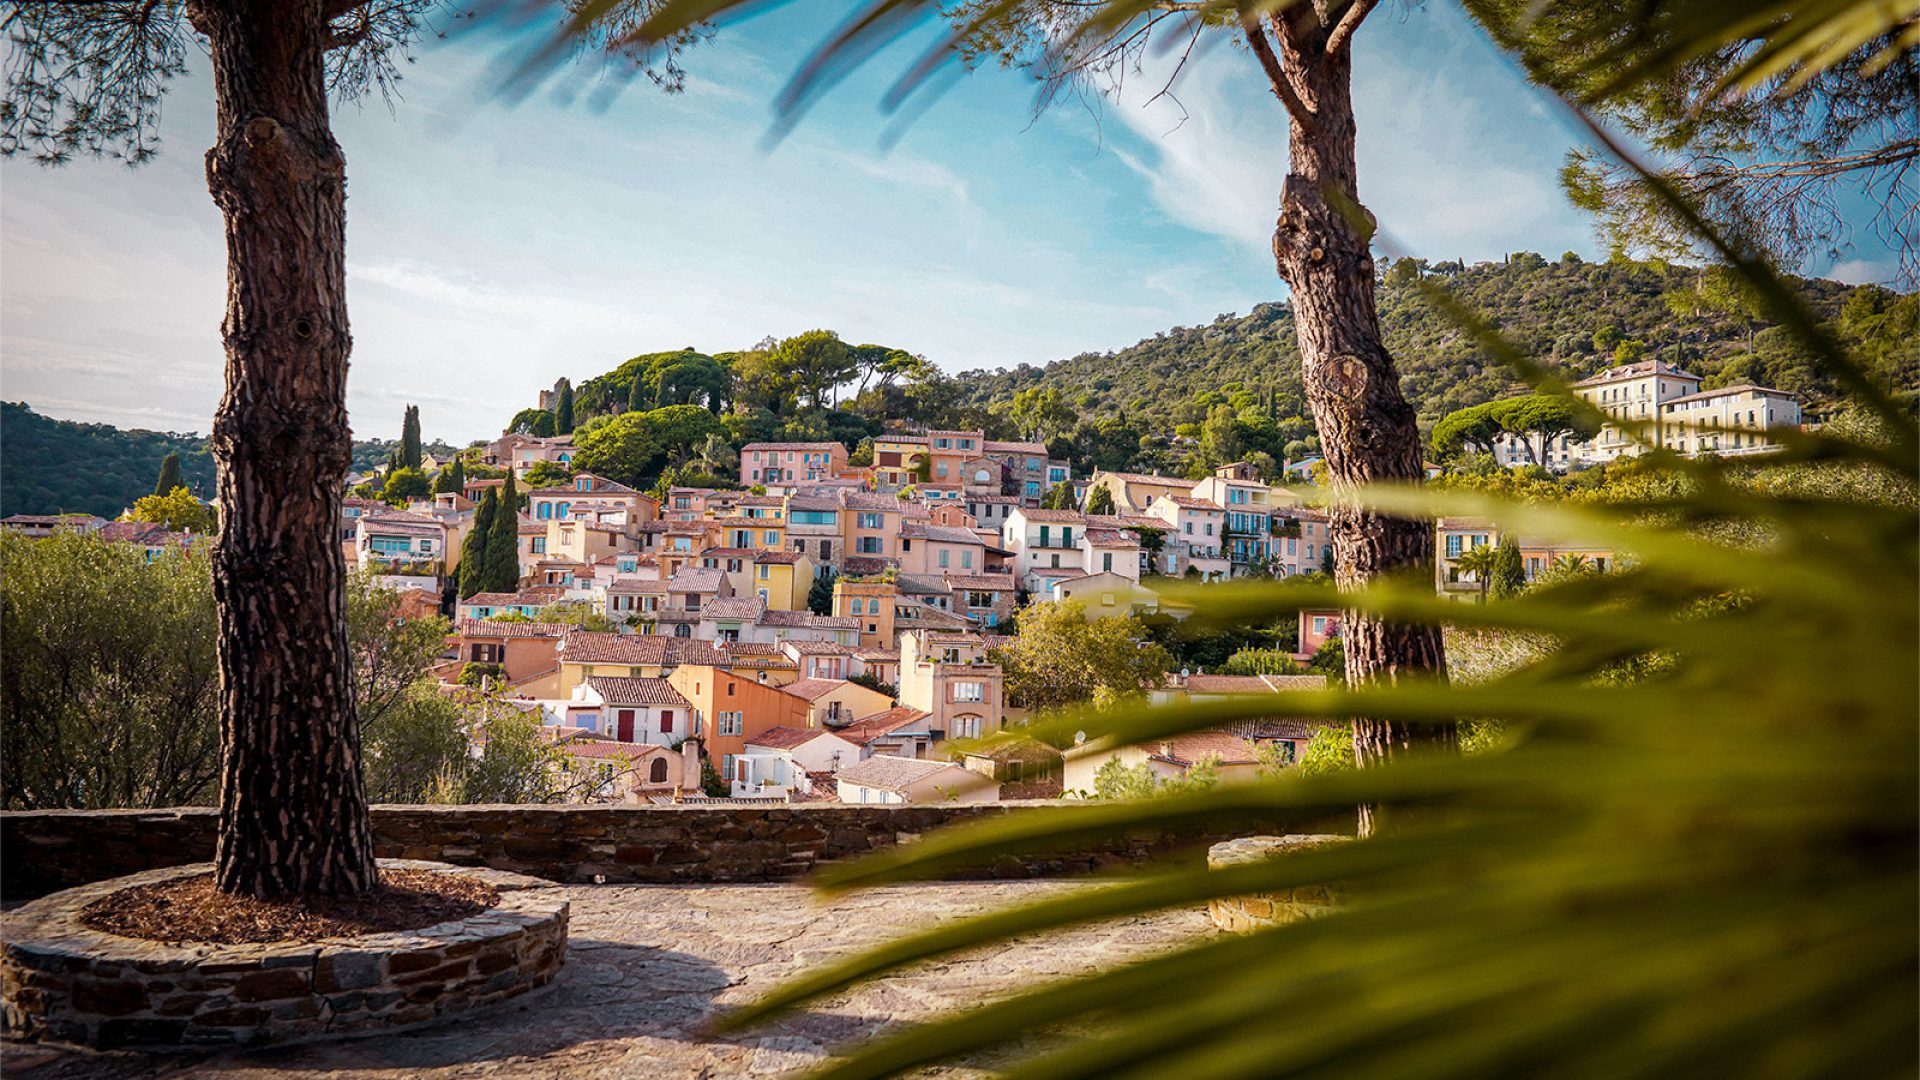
<point>63,982</point>
<point>1255,910</point>
<point>49,850</point>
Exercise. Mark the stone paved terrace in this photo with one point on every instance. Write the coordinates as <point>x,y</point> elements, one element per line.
<point>649,963</point>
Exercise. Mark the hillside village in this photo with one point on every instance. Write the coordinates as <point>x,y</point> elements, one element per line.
<point>818,629</point>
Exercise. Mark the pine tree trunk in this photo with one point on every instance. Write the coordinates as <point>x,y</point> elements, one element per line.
<point>1367,429</point>
<point>293,812</point>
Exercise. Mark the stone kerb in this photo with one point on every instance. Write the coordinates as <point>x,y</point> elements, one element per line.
<point>1256,910</point>
<point>66,983</point>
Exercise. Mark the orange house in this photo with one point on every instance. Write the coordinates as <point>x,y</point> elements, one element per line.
<point>522,649</point>
<point>873,603</point>
<point>734,709</point>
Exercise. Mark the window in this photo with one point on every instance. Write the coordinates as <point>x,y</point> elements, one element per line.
<point>969,691</point>
<point>869,521</point>
<point>666,721</point>
<point>539,545</point>
<point>762,571</point>
<point>657,772</point>
<point>869,545</point>
<point>1453,546</point>
<point>944,557</point>
<point>966,560</point>
<point>1106,599</point>
<point>770,537</point>
<point>730,723</point>
<point>966,727</point>
<point>1106,561</point>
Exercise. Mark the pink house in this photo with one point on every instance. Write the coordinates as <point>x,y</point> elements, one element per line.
<point>1316,626</point>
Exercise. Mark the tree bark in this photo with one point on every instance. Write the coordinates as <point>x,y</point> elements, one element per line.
<point>1367,429</point>
<point>293,812</point>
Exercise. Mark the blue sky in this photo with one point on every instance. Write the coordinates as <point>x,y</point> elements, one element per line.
<point>493,249</point>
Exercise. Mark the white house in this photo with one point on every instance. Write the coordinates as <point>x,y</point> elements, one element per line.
<point>777,761</point>
<point>883,779</point>
<point>634,710</point>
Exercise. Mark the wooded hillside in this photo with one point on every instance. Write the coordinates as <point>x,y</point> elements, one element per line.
<point>1578,317</point>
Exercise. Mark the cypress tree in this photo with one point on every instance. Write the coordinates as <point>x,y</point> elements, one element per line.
<point>563,410</point>
<point>503,547</point>
<point>451,478</point>
<point>1509,576</point>
<point>169,475</point>
<point>410,438</point>
<point>637,397</point>
<point>473,550</point>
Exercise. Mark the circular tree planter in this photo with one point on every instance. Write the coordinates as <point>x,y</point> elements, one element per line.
<point>67,983</point>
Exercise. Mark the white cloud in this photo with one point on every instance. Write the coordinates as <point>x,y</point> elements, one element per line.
<point>1862,271</point>
<point>1450,167</point>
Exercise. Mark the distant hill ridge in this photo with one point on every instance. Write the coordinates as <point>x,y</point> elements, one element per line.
<point>50,466</point>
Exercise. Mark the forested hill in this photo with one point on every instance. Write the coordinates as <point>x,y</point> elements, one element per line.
<point>1576,316</point>
<point>50,466</point>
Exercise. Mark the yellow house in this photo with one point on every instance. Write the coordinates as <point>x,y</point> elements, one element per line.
<point>782,579</point>
<point>836,702</point>
<point>763,662</point>
<point>583,541</point>
<point>897,459</point>
<point>748,532</point>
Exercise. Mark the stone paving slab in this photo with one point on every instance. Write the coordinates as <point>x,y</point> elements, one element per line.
<point>649,964</point>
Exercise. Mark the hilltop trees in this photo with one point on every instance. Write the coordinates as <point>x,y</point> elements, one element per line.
<point>563,410</point>
<point>1039,413</point>
<point>634,448</point>
<point>1534,419</point>
<point>815,363</point>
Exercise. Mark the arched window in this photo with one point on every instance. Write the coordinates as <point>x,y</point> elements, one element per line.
<point>657,772</point>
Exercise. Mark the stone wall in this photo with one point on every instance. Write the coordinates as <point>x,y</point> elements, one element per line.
<point>1254,911</point>
<point>42,851</point>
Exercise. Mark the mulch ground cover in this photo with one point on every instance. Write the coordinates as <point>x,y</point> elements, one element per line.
<point>191,910</point>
